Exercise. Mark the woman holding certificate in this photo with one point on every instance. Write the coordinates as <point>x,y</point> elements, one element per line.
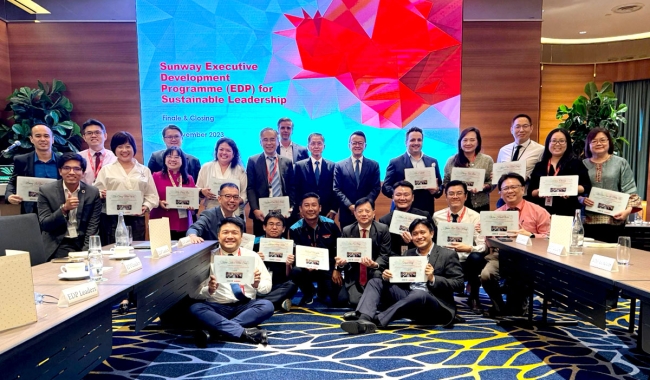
<point>174,174</point>
<point>469,156</point>
<point>119,183</point>
<point>608,172</point>
<point>559,161</point>
<point>226,167</point>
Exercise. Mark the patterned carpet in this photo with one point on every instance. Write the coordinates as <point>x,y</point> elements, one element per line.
<point>308,344</point>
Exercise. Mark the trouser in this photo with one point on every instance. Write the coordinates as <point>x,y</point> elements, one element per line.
<point>279,293</point>
<point>417,305</point>
<point>490,277</point>
<point>109,224</point>
<point>177,235</point>
<point>326,287</point>
<point>68,245</point>
<point>472,267</point>
<point>229,320</point>
<point>607,233</point>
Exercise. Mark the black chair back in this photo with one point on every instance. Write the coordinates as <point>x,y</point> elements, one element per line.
<point>22,233</point>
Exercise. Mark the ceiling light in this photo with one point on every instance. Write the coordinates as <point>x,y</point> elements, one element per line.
<point>569,41</point>
<point>29,6</point>
<point>628,8</point>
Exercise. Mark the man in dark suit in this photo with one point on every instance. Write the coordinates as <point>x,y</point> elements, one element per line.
<point>430,302</point>
<point>413,158</point>
<point>358,274</point>
<point>206,227</point>
<point>307,181</point>
<point>403,200</point>
<point>354,178</point>
<point>68,209</point>
<point>41,164</point>
<point>269,175</point>
<point>288,148</point>
<point>173,136</point>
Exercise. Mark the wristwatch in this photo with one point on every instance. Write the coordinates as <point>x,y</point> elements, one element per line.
<point>532,236</point>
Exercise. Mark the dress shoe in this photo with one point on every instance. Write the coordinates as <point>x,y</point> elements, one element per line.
<point>201,338</point>
<point>351,316</point>
<point>286,305</point>
<point>123,308</point>
<point>306,300</point>
<point>255,336</point>
<point>360,326</point>
<point>474,305</point>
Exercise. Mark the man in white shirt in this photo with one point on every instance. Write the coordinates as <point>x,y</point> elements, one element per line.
<point>96,156</point>
<point>471,257</point>
<point>288,148</point>
<point>230,309</point>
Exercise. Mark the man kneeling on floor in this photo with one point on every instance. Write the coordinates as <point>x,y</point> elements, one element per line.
<point>230,310</point>
<point>430,302</point>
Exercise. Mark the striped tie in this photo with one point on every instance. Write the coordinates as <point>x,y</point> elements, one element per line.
<point>276,187</point>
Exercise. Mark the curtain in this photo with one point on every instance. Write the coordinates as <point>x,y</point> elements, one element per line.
<point>636,94</point>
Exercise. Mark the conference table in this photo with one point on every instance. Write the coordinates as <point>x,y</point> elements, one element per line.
<point>69,342</point>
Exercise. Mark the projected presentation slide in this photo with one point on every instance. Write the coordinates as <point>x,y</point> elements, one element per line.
<point>230,68</point>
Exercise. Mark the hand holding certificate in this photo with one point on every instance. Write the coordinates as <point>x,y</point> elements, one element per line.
<point>422,178</point>
<point>312,258</point>
<point>247,241</point>
<point>354,249</point>
<point>237,269</point>
<point>401,221</point>
<point>607,202</point>
<point>183,197</point>
<point>498,223</point>
<point>501,168</point>
<point>557,186</point>
<point>449,233</point>
<point>276,204</point>
<point>215,184</point>
<point>407,268</point>
<point>28,187</point>
<point>473,178</point>
<point>127,202</point>
<point>276,250</point>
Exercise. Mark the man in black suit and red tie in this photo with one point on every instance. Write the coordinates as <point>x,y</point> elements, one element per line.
<point>316,175</point>
<point>413,158</point>
<point>269,175</point>
<point>288,148</point>
<point>354,178</point>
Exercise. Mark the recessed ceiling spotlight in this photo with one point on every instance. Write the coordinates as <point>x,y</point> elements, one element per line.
<point>583,32</point>
<point>628,8</point>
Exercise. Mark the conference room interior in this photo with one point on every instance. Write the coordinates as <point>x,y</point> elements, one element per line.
<point>506,70</point>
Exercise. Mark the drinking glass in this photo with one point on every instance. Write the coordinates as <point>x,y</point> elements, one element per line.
<point>623,250</point>
<point>94,243</point>
<point>130,231</point>
<point>95,259</point>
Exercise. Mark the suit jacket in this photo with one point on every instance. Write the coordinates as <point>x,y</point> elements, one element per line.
<point>299,152</point>
<point>156,163</point>
<point>346,189</point>
<point>258,180</point>
<point>23,167</point>
<point>207,224</point>
<point>448,277</point>
<point>395,172</point>
<point>396,241</point>
<point>305,181</point>
<point>54,225</point>
<point>380,249</point>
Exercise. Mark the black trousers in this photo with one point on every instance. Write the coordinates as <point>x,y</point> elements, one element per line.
<point>68,245</point>
<point>279,293</point>
<point>472,268</point>
<point>326,287</point>
<point>109,224</point>
<point>608,233</point>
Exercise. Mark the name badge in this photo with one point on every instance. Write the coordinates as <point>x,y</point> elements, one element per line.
<point>184,242</point>
<point>182,213</point>
<point>161,252</point>
<point>524,240</point>
<point>72,231</point>
<point>548,202</point>
<point>130,266</point>
<point>603,262</point>
<point>404,248</point>
<point>77,294</point>
<point>556,249</point>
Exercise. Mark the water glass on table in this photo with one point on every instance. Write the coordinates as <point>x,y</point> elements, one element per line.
<point>623,250</point>
<point>95,259</point>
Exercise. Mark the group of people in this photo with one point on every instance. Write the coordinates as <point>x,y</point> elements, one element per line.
<point>73,208</point>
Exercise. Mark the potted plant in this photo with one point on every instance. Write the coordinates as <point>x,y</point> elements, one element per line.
<point>598,109</point>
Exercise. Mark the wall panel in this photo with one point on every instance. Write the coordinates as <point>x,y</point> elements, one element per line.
<point>5,70</point>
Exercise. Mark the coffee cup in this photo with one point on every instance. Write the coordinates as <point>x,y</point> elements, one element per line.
<point>74,268</point>
<point>120,251</point>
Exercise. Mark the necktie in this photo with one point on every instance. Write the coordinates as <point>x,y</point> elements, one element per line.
<point>237,291</point>
<point>363,271</point>
<point>454,218</point>
<point>276,187</point>
<point>98,159</point>
<point>357,171</point>
<point>512,209</point>
<point>515,157</point>
<point>317,172</point>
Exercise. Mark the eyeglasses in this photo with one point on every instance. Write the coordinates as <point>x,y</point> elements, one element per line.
<point>174,137</point>
<point>358,143</point>
<point>230,196</point>
<point>271,224</point>
<point>456,194</point>
<point>600,141</point>
<point>558,142</point>
<point>93,133</point>
<point>508,188</point>
<point>75,169</point>
<point>521,126</point>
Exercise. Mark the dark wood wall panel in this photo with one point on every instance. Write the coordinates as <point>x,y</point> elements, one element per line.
<point>5,70</point>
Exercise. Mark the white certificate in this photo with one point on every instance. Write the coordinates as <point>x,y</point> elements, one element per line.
<point>28,187</point>
<point>237,269</point>
<point>128,202</point>
<point>183,197</point>
<point>215,184</point>
<point>455,233</point>
<point>354,249</point>
<point>556,186</point>
<point>247,241</point>
<point>276,250</point>
<point>421,178</point>
<point>501,168</point>
<point>312,257</point>
<point>498,223</point>
<point>401,221</point>
<point>607,202</point>
<point>473,178</point>
<point>407,268</point>
<point>276,204</point>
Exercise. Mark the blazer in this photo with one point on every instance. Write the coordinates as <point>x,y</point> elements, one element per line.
<point>346,190</point>
<point>448,277</point>
<point>380,249</point>
<point>305,181</point>
<point>423,199</point>
<point>299,152</point>
<point>156,163</point>
<point>560,205</point>
<point>258,180</point>
<point>207,224</point>
<point>54,225</point>
<point>396,241</point>
<point>23,167</point>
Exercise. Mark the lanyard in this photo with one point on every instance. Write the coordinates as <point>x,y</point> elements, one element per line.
<point>548,168</point>
<point>460,217</point>
<point>521,222</point>
<point>313,243</point>
<point>521,153</point>
<point>92,163</point>
<point>171,179</point>
<point>275,170</point>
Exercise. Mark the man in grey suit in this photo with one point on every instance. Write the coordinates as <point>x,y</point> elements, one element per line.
<point>207,226</point>
<point>430,302</point>
<point>68,209</point>
<point>173,136</point>
<point>354,178</point>
<point>288,148</point>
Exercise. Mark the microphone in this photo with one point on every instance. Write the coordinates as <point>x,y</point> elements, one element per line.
<point>12,147</point>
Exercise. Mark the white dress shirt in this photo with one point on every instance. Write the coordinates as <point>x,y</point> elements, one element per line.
<point>320,167</point>
<point>114,177</point>
<point>287,152</point>
<point>354,164</point>
<point>471,217</point>
<point>72,214</point>
<point>530,151</point>
<point>89,155</point>
<point>417,163</point>
<point>212,170</point>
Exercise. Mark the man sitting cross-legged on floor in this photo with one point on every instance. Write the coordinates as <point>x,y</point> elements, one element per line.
<point>230,309</point>
<point>283,289</point>
<point>430,302</point>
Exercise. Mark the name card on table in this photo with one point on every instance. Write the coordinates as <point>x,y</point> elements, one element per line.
<point>603,262</point>
<point>130,266</point>
<point>184,242</point>
<point>159,234</point>
<point>17,296</point>
<point>523,240</point>
<point>556,249</point>
<point>79,293</point>
<point>161,252</point>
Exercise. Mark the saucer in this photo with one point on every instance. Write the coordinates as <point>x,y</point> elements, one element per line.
<point>122,257</point>
<point>74,276</point>
<point>78,255</point>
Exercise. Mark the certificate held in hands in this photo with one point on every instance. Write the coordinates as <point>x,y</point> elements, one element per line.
<point>312,257</point>
<point>498,223</point>
<point>275,204</point>
<point>407,268</point>
<point>401,221</point>
<point>215,184</point>
<point>501,168</point>
<point>354,249</point>
<point>557,186</point>
<point>127,202</point>
<point>183,197</point>
<point>28,187</point>
<point>237,269</point>
<point>607,202</point>
<point>421,178</point>
<point>276,250</point>
<point>473,178</point>
<point>455,233</point>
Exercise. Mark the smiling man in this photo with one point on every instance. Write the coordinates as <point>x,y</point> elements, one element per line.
<point>205,228</point>
<point>523,148</point>
<point>316,174</point>
<point>288,148</point>
<point>96,156</point>
<point>173,136</point>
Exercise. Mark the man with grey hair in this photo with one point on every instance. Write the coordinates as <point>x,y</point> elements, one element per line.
<point>269,175</point>
<point>287,148</point>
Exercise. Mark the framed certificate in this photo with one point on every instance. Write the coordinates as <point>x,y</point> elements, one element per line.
<point>455,233</point>
<point>127,202</point>
<point>247,241</point>
<point>354,249</point>
<point>215,184</point>
<point>237,269</point>
<point>607,202</point>
<point>276,250</point>
<point>401,221</point>
<point>312,258</point>
<point>498,223</point>
<point>407,268</point>
<point>473,178</point>
<point>277,204</point>
<point>28,187</point>
<point>183,197</point>
<point>557,186</point>
<point>424,178</point>
<point>501,168</point>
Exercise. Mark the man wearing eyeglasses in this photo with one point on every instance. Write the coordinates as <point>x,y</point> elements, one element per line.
<point>68,209</point>
<point>96,156</point>
<point>207,226</point>
<point>173,136</point>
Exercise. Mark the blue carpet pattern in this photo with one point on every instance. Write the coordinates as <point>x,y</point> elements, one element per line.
<point>308,344</point>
